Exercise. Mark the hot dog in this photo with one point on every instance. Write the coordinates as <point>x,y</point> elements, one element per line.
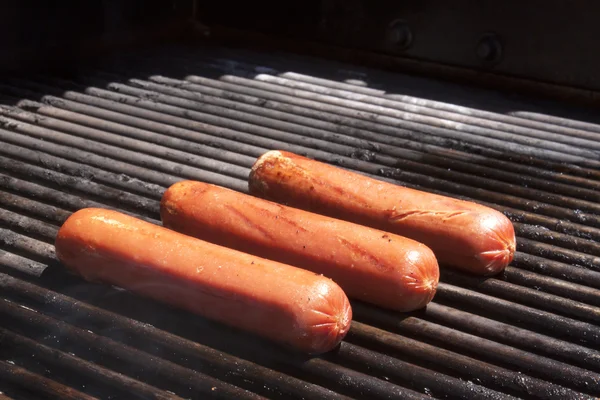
<point>371,265</point>
<point>298,308</point>
<point>462,234</point>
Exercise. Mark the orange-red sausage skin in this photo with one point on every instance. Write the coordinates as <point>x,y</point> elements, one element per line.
<point>371,265</point>
<point>286,304</point>
<point>462,234</point>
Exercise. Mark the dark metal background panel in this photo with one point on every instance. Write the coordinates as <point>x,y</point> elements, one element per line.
<point>552,41</point>
<point>42,34</point>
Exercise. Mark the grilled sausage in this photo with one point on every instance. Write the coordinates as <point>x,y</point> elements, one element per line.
<point>371,265</point>
<point>298,308</point>
<point>462,234</point>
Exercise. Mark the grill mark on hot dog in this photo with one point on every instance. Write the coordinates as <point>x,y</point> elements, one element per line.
<point>342,192</point>
<point>248,222</point>
<point>277,216</point>
<point>294,168</point>
<point>396,216</point>
<point>361,251</point>
<point>293,223</point>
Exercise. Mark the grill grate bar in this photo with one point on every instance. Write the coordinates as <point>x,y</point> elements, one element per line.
<point>291,121</point>
<point>337,75</point>
<point>43,387</point>
<point>208,152</point>
<point>531,297</point>
<point>338,377</point>
<point>386,154</point>
<point>192,67</point>
<point>80,170</point>
<point>34,146</point>
<point>425,123</point>
<point>356,384</point>
<point>467,344</point>
<point>118,135</point>
<point>478,328</point>
<point>559,254</point>
<point>565,328</point>
<point>515,336</point>
<point>126,124</point>
<point>21,224</point>
<point>74,371</point>
<point>114,151</point>
<point>111,197</point>
<point>435,149</point>
<point>525,146</point>
<point>20,266</point>
<point>159,342</point>
<point>557,239</point>
<point>471,369</point>
<point>556,269</point>
<point>513,131</point>
<point>110,354</point>
<point>569,214</point>
<point>553,120</point>
<point>144,145</point>
<point>22,245</point>
<point>144,208</point>
<point>49,195</point>
<point>390,368</point>
<point>33,209</point>
<point>467,115</point>
<point>574,291</point>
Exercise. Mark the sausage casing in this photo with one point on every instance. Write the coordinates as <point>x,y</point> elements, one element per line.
<point>298,308</point>
<point>462,234</point>
<point>371,265</point>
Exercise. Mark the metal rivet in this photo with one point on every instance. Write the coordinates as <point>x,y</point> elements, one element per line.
<point>489,48</point>
<point>399,35</point>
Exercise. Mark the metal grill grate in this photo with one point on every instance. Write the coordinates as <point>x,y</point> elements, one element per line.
<point>118,134</point>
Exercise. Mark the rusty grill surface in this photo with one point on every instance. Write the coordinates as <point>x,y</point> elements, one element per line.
<point>118,134</point>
